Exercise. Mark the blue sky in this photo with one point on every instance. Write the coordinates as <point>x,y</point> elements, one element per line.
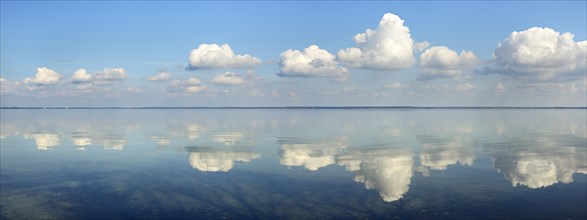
<point>414,59</point>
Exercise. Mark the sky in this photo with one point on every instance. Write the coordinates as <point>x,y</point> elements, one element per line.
<point>383,53</point>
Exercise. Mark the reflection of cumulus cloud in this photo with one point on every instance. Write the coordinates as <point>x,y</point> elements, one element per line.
<point>111,142</point>
<point>193,131</point>
<point>389,171</point>
<point>437,154</point>
<point>44,140</point>
<point>231,138</point>
<point>160,140</point>
<point>543,164</point>
<point>311,156</point>
<point>81,139</point>
<point>215,161</point>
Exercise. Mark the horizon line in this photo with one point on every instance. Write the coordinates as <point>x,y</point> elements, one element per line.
<point>300,107</point>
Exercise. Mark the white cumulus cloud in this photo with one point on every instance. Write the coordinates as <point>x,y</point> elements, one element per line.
<point>161,76</point>
<point>442,62</point>
<point>388,47</point>
<point>209,56</point>
<point>313,61</point>
<point>44,77</point>
<point>81,76</point>
<point>110,75</point>
<point>228,79</point>
<point>540,54</point>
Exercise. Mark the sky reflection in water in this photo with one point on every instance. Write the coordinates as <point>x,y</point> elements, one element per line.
<point>293,163</point>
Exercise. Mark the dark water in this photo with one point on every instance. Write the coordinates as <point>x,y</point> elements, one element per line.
<point>301,164</point>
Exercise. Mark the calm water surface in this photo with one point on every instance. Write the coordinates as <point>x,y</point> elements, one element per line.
<point>304,164</point>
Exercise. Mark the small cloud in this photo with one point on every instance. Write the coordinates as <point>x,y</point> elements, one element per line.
<point>209,56</point>
<point>195,89</point>
<point>81,76</point>
<point>161,76</point>
<point>186,86</point>
<point>389,47</point>
<point>43,77</point>
<point>421,46</point>
<point>275,93</point>
<point>463,87</point>
<point>110,75</point>
<point>293,96</point>
<point>8,87</point>
<point>133,89</point>
<point>394,86</point>
<point>350,89</point>
<point>499,88</point>
<point>228,79</point>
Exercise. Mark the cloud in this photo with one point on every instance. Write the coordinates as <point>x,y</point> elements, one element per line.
<point>8,87</point>
<point>312,62</point>
<point>196,89</point>
<point>395,86</point>
<point>219,161</point>
<point>161,76</point>
<point>110,75</point>
<point>44,77</point>
<point>81,76</point>
<point>187,86</point>
<point>389,47</point>
<point>499,88</point>
<point>209,56</point>
<point>421,46</point>
<point>133,89</point>
<point>228,79</point>
<point>442,62</point>
<point>540,54</point>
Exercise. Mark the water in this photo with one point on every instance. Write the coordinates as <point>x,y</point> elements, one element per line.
<point>304,164</point>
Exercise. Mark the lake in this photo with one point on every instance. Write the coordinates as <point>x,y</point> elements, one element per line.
<point>293,163</point>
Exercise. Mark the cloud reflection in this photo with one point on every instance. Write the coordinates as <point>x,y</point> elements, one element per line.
<point>311,156</point>
<point>211,160</point>
<point>389,171</point>
<point>44,140</point>
<point>437,154</point>
<point>540,163</point>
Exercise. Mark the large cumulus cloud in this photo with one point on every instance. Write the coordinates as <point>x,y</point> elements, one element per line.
<point>388,47</point>
<point>209,56</point>
<point>312,61</point>
<point>540,54</point>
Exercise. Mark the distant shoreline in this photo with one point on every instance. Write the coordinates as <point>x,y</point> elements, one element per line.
<point>308,107</point>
